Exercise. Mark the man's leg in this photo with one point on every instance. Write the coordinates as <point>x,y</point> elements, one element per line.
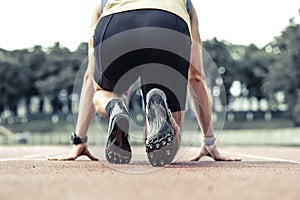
<point>101,100</point>
<point>108,104</point>
<point>163,130</point>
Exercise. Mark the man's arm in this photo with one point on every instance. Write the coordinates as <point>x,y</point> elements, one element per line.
<point>200,98</point>
<point>86,108</point>
<point>197,82</point>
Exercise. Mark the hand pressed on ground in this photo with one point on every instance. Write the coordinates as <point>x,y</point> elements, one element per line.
<point>76,151</point>
<point>213,153</point>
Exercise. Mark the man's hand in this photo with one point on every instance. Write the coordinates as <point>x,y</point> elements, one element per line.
<point>212,152</point>
<point>77,151</point>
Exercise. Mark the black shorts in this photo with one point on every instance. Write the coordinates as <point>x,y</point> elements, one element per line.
<point>152,45</point>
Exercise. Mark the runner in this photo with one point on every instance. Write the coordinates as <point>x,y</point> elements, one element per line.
<point>163,128</point>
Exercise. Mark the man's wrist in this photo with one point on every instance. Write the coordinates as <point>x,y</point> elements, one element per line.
<point>209,141</point>
<point>78,140</point>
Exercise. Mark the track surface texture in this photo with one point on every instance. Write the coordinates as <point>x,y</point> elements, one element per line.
<point>264,173</point>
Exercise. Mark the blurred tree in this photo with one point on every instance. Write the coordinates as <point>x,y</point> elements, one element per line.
<point>247,64</point>
<point>54,74</point>
<point>218,52</point>
<point>33,66</point>
<point>284,75</point>
<point>230,61</point>
<point>58,73</point>
<point>13,79</point>
<point>80,62</point>
<point>255,67</point>
<point>34,72</point>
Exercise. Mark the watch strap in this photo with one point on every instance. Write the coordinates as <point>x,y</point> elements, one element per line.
<point>77,140</point>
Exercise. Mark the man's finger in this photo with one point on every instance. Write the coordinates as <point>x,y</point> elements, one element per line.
<point>232,159</point>
<point>237,159</point>
<point>52,158</point>
<point>66,158</point>
<point>225,158</point>
<point>93,158</point>
<point>87,153</point>
<point>195,158</point>
<point>61,158</point>
<point>199,156</point>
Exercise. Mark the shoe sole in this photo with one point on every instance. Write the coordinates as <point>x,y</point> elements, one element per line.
<point>116,153</point>
<point>160,152</point>
<point>160,147</point>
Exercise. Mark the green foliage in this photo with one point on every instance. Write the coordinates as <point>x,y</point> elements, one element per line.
<point>37,72</point>
<point>13,79</point>
<point>256,66</point>
<point>246,64</point>
<point>264,72</point>
<point>220,54</point>
<point>284,75</point>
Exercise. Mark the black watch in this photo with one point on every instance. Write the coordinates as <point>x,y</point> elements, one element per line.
<point>77,140</point>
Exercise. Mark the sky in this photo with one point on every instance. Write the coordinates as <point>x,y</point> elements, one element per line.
<point>25,23</point>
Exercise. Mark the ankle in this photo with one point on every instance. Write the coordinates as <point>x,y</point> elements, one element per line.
<point>111,105</point>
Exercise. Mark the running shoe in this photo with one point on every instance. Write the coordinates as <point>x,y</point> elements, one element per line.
<point>160,143</point>
<point>118,150</point>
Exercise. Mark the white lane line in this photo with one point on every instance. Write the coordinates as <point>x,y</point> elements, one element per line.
<point>262,157</point>
<point>254,156</point>
<point>28,157</point>
<point>38,156</point>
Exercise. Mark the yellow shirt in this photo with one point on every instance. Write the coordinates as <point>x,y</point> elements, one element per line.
<point>177,7</point>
